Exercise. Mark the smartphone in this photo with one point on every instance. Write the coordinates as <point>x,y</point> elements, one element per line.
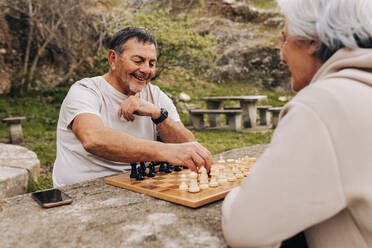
<point>51,198</point>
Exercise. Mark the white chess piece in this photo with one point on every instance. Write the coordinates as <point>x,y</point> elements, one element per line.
<point>193,187</point>
<point>183,185</point>
<point>213,183</point>
<point>221,176</point>
<point>203,178</point>
<point>230,176</point>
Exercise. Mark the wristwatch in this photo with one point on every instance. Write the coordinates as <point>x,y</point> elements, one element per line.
<point>162,117</point>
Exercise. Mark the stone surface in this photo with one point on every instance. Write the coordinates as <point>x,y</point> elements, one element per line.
<point>20,157</point>
<point>13,181</point>
<point>105,216</point>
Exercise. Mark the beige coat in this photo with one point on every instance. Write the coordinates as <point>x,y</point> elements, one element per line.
<point>316,174</point>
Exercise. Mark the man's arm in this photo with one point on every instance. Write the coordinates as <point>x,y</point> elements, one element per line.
<point>169,130</point>
<point>118,146</point>
<point>174,132</point>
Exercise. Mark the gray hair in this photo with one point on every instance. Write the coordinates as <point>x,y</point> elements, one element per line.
<point>335,23</point>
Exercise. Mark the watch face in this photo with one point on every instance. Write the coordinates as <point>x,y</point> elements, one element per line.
<point>164,112</point>
<point>163,116</point>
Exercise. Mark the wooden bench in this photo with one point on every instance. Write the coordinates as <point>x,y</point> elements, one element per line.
<point>15,129</point>
<point>275,111</point>
<point>264,115</point>
<point>233,117</point>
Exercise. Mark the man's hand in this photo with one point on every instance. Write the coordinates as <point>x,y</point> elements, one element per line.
<point>136,106</point>
<point>191,154</point>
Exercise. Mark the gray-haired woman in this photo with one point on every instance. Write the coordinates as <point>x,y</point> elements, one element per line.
<point>316,174</point>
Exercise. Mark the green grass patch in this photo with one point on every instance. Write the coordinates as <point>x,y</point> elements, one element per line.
<point>43,182</point>
<point>217,141</point>
<point>265,4</point>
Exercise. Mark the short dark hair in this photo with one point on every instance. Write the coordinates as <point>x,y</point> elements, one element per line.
<point>120,37</point>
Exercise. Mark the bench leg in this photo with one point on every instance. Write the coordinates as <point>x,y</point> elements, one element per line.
<point>235,121</point>
<point>214,119</point>
<point>264,117</point>
<point>275,119</point>
<point>249,114</point>
<point>15,133</point>
<point>197,121</point>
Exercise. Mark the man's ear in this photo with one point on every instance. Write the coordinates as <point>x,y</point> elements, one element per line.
<point>111,57</point>
<point>313,47</point>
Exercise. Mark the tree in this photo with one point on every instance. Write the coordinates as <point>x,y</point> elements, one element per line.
<point>61,33</point>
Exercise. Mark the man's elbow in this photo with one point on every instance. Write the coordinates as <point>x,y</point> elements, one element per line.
<point>90,143</point>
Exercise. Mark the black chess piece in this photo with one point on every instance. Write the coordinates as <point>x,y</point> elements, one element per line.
<point>177,168</point>
<point>162,167</point>
<point>142,168</point>
<point>152,171</point>
<point>168,168</point>
<point>133,171</point>
<point>139,177</point>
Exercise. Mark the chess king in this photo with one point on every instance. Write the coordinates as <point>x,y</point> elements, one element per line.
<point>106,122</point>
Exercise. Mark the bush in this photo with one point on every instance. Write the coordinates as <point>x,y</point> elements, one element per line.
<point>178,45</point>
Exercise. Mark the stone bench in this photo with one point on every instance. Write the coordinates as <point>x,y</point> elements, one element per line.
<point>15,129</point>
<point>264,115</point>
<point>233,117</point>
<point>275,111</point>
<point>18,167</point>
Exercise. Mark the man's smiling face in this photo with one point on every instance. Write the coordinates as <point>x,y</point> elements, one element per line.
<point>135,66</point>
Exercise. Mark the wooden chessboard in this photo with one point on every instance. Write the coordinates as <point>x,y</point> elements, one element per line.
<point>165,186</point>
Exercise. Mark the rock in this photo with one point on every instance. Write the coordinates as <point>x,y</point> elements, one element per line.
<point>14,156</point>
<point>184,97</point>
<point>274,22</point>
<point>283,98</point>
<point>13,181</point>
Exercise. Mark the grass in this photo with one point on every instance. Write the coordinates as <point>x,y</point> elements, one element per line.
<point>41,108</point>
<point>217,141</point>
<point>265,4</point>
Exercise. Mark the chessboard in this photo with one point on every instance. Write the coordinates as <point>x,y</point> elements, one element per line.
<point>165,186</point>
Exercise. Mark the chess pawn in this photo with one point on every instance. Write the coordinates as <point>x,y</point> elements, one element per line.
<point>230,176</point>
<point>193,187</point>
<point>239,175</point>
<point>213,183</point>
<point>235,169</point>
<point>183,185</point>
<point>221,176</point>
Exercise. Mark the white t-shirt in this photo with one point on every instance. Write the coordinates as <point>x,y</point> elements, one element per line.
<point>96,96</point>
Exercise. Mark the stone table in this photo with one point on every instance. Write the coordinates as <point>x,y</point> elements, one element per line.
<point>102,215</point>
<point>247,104</point>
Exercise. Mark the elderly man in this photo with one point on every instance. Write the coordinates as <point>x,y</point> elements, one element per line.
<point>316,174</point>
<point>108,121</point>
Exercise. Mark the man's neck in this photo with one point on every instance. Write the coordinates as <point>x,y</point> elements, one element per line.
<point>111,79</point>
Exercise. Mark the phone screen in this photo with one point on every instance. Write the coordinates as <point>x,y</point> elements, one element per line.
<point>51,198</point>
